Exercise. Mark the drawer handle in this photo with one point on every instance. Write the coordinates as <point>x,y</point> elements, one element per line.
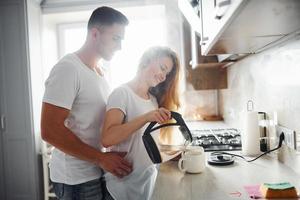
<point>2,122</point>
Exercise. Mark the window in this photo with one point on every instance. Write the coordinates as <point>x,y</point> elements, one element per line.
<point>70,37</point>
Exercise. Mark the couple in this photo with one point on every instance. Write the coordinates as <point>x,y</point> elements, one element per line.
<point>79,116</point>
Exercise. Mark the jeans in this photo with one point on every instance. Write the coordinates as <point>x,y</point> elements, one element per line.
<point>91,190</point>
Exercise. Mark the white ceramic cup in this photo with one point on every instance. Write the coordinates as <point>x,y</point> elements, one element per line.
<point>192,160</point>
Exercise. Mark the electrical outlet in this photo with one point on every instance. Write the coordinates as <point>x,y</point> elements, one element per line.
<point>289,136</point>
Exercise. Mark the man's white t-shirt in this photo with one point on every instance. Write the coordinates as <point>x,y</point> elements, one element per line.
<point>74,86</point>
<point>140,183</point>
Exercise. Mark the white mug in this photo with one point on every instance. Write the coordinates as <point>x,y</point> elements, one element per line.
<point>192,160</point>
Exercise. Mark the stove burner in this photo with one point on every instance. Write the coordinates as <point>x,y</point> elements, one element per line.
<point>228,139</point>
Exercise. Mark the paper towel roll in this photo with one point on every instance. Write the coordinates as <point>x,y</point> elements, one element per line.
<point>251,135</point>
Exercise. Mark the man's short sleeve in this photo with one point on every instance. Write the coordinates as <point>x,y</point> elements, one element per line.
<point>118,99</point>
<point>62,86</point>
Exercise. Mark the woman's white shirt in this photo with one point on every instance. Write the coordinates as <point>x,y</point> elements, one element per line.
<point>140,183</point>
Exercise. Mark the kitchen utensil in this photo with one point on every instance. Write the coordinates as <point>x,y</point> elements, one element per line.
<point>157,152</point>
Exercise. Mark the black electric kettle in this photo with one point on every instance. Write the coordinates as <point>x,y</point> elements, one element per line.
<point>151,145</point>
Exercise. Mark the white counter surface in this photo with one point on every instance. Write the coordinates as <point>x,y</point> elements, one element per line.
<point>220,182</point>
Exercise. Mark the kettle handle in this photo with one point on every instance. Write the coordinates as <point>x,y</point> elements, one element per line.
<point>174,115</point>
<point>179,122</point>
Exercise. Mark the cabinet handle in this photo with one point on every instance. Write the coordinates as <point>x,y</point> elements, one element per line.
<point>2,122</point>
<point>221,8</point>
<point>224,3</point>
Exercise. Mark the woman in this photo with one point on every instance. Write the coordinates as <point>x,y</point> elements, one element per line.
<point>146,98</point>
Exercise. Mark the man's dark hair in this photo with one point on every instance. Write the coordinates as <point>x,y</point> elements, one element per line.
<point>106,16</point>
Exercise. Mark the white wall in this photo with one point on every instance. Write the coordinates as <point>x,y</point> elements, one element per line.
<point>271,80</point>
<point>37,85</point>
<point>35,55</point>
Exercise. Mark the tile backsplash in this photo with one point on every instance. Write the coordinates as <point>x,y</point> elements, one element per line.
<point>271,79</point>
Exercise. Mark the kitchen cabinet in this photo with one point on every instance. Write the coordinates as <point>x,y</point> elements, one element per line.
<point>215,14</point>
<point>208,76</point>
<point>255,25</point>
<point>203,72</point>
<point>18,167</point>
<point>236,28</point>
<point>2,194</point>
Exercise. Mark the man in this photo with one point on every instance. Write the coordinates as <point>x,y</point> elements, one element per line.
<point>73,109</point>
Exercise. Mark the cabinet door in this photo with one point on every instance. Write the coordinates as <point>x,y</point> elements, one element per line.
<point>216,15</point>
<point>2,185</point>
<point>20,166</point>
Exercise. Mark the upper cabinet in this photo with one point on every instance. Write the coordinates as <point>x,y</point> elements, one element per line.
<point>216,15</point>
<point>239,27</point>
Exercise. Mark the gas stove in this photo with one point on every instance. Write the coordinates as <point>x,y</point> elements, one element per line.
<point>219,139</point>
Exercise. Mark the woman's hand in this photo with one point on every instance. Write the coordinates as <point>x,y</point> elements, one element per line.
<point>160,115</point>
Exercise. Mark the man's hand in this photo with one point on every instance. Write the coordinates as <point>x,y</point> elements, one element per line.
<point>114,163</point>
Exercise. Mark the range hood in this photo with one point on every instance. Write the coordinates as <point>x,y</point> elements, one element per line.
<point>252,26</point>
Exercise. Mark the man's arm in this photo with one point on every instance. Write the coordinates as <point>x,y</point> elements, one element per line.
<point>55,133</point>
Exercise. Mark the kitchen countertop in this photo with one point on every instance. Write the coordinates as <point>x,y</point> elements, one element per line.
<point>220,182</point>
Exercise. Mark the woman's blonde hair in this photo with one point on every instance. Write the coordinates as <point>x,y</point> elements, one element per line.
<point>166,92</point>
